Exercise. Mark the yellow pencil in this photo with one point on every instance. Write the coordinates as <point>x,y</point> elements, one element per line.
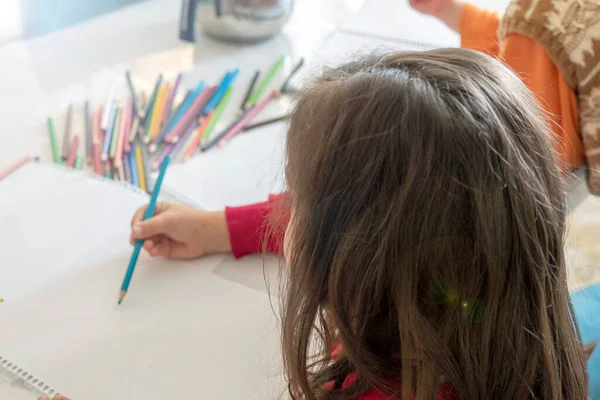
<point>157,112</point>
<point>140,168</point>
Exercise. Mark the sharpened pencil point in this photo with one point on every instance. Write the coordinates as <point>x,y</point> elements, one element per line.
<point>122,294</point>
<point>119,303</point>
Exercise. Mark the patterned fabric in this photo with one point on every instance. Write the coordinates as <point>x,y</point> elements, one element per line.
<point>569,31</point>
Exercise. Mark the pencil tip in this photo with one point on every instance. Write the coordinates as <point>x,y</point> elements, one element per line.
<point>120,301</point>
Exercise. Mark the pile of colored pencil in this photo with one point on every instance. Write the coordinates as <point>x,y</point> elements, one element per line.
<point>126,140</point>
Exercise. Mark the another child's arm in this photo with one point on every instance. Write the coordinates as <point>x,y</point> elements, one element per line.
<point>448,11</point>
<point>478,28</point>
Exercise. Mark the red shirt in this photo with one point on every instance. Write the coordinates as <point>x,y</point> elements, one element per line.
<point>248,227</point>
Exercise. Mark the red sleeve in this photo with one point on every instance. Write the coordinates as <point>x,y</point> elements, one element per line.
<point>248,225</point>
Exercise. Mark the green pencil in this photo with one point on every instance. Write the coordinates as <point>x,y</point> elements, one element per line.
<point>78,162</point>
<point>217,113</point>
<point>262,85</point>
<point>116,129</point>
<point>54,142</point>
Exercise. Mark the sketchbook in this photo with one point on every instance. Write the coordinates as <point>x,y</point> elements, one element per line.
<point>182,332</point>
<point>397,22</point>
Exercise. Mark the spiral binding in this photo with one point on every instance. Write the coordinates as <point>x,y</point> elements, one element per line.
<point>392,39</point>
<point>28,379</point>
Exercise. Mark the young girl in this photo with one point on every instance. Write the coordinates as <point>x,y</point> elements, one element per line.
<point>425,239</point>
<point>554,45</point>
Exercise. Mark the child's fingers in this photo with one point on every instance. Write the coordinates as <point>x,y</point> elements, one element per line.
<point>149,245</point>
<point>157,225</point>
<point>138,215</point>
<point>160,248</point>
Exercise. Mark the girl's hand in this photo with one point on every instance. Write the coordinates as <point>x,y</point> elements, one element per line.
<point>181,232</point>
<point>449,11</point>
<point>57,397</point>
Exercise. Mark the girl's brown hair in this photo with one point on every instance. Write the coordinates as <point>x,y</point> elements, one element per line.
<point>427,229</point>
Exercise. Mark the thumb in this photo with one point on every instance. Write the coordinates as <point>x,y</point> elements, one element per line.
<point>161,224</point>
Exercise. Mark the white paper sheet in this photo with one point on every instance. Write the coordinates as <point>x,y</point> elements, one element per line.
<point>50,215</point>
<point>182,332</point>
<point>397,20</point>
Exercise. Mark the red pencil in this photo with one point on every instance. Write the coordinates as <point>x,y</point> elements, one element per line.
<point>196,136</point>
<point>73,151</point>
<point>14,166</point>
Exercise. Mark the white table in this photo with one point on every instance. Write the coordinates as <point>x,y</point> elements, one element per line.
<point>42,76</point>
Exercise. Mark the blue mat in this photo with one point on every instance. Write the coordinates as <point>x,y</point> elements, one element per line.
<point>587,309</point>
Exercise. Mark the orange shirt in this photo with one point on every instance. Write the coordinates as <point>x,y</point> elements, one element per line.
<point>479,31</point>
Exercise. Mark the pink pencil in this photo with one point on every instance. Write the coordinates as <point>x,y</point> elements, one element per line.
<point>128,123</point>
<point>122,134</point>
<point>249,117</point>
<point>14,166</point>
<point>189,115</point>
<point>165,152</point>
<point>73,151</point>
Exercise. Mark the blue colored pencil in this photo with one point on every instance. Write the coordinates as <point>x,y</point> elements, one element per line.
<point>226,82</point>
<point>184,107</point>
<point>139,243</point>
<point>109,130</point>
<point>133,167</point>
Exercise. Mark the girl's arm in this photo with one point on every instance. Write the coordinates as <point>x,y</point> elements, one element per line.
<point>249,226</point>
